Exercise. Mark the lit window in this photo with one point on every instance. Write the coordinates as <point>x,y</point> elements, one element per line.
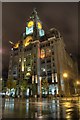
<point>24,59</point>
<point>29,69</point>
<point>22,66</point>
<point>43,69</point>
<point>28,74</point>
<point>42,53</point>
<point>48,52</point>
<point>36,79</point>
<point>19,59</point>
<point>56,77</point>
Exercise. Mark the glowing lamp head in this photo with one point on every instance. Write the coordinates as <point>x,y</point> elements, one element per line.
<point>65,75</point>
<point>78,82</point>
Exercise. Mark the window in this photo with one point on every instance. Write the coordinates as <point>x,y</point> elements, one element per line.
<point>42,53</point>
<point>19,75</point>
<point>53,65</point>
<point>11,54</point>
<point>52,53</point>
<point>20,50</point>
<point>24,59</point>
<point>42,45</point>
<point>19,59</point>
<point>49,73</point>
<point>48,52</point>
<point>49,60</point>
<point>53,59</point>
<point>34,61</point>
<point>19,65</point>
<point>48,44</point>
<point>34,45</point>
<point>43,69</point>
<point>42,62</point>
<point>16,53</point>
<point>48,67</point>
<point>51,42</point>
<point>49,79</point>
<point>24,50</point>
<point>43,73</point>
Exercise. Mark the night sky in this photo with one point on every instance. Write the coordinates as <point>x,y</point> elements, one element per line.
<point>62,16</point>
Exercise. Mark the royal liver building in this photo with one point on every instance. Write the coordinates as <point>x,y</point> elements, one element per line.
<point>39,62</point>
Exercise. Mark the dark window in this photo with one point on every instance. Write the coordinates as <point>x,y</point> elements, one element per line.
<point>53,59</point>
<point>49,60</point>
<point>34,60</point>
<point>48,44</point>
<point>11,54</point>
<point>52,53</point>
<point>49,79</point>
<point>51,42</point>
<point>19,65</point>
<point>49,66</point>
<point>19,75</point>
<point>49,72</point>
<point>34,72</point>
<point>14,72</point>
<point>42,62</point>
<point>24,50</point>
<point>43,45</point>
<point>15,53</point>
<point>20,50</point>
<point>34,45</point>
<point>53,64</point>
<point>43,73</point>
<point>34,67</point>
<point>23,75</point>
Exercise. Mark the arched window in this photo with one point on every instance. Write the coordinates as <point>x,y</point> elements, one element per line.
<point>42,53</point>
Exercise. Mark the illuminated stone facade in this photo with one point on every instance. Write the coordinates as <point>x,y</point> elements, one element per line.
<point>42,56</point>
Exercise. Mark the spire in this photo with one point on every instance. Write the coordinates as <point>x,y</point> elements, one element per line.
<point>35,29</point>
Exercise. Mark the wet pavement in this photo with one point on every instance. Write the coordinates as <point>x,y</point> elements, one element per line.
<point>68,108</point>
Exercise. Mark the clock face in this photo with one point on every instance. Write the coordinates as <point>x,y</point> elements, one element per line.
<point>30,24</point>
<point>29,30</point>
<point>41,32</point>
<point>39,25</point>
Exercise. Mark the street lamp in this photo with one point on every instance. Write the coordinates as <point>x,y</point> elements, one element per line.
<point>78,82</point>
<point>78,86</point>
<point>65,76</point>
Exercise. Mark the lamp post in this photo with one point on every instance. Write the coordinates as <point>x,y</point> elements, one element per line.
<point>67,89</point>
<point>40,88</point>
<point>78,86</point>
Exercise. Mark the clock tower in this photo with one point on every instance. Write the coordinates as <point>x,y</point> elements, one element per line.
<point>34,26</point>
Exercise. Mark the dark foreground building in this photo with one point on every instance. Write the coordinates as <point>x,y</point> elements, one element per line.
<point>40,59</point>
